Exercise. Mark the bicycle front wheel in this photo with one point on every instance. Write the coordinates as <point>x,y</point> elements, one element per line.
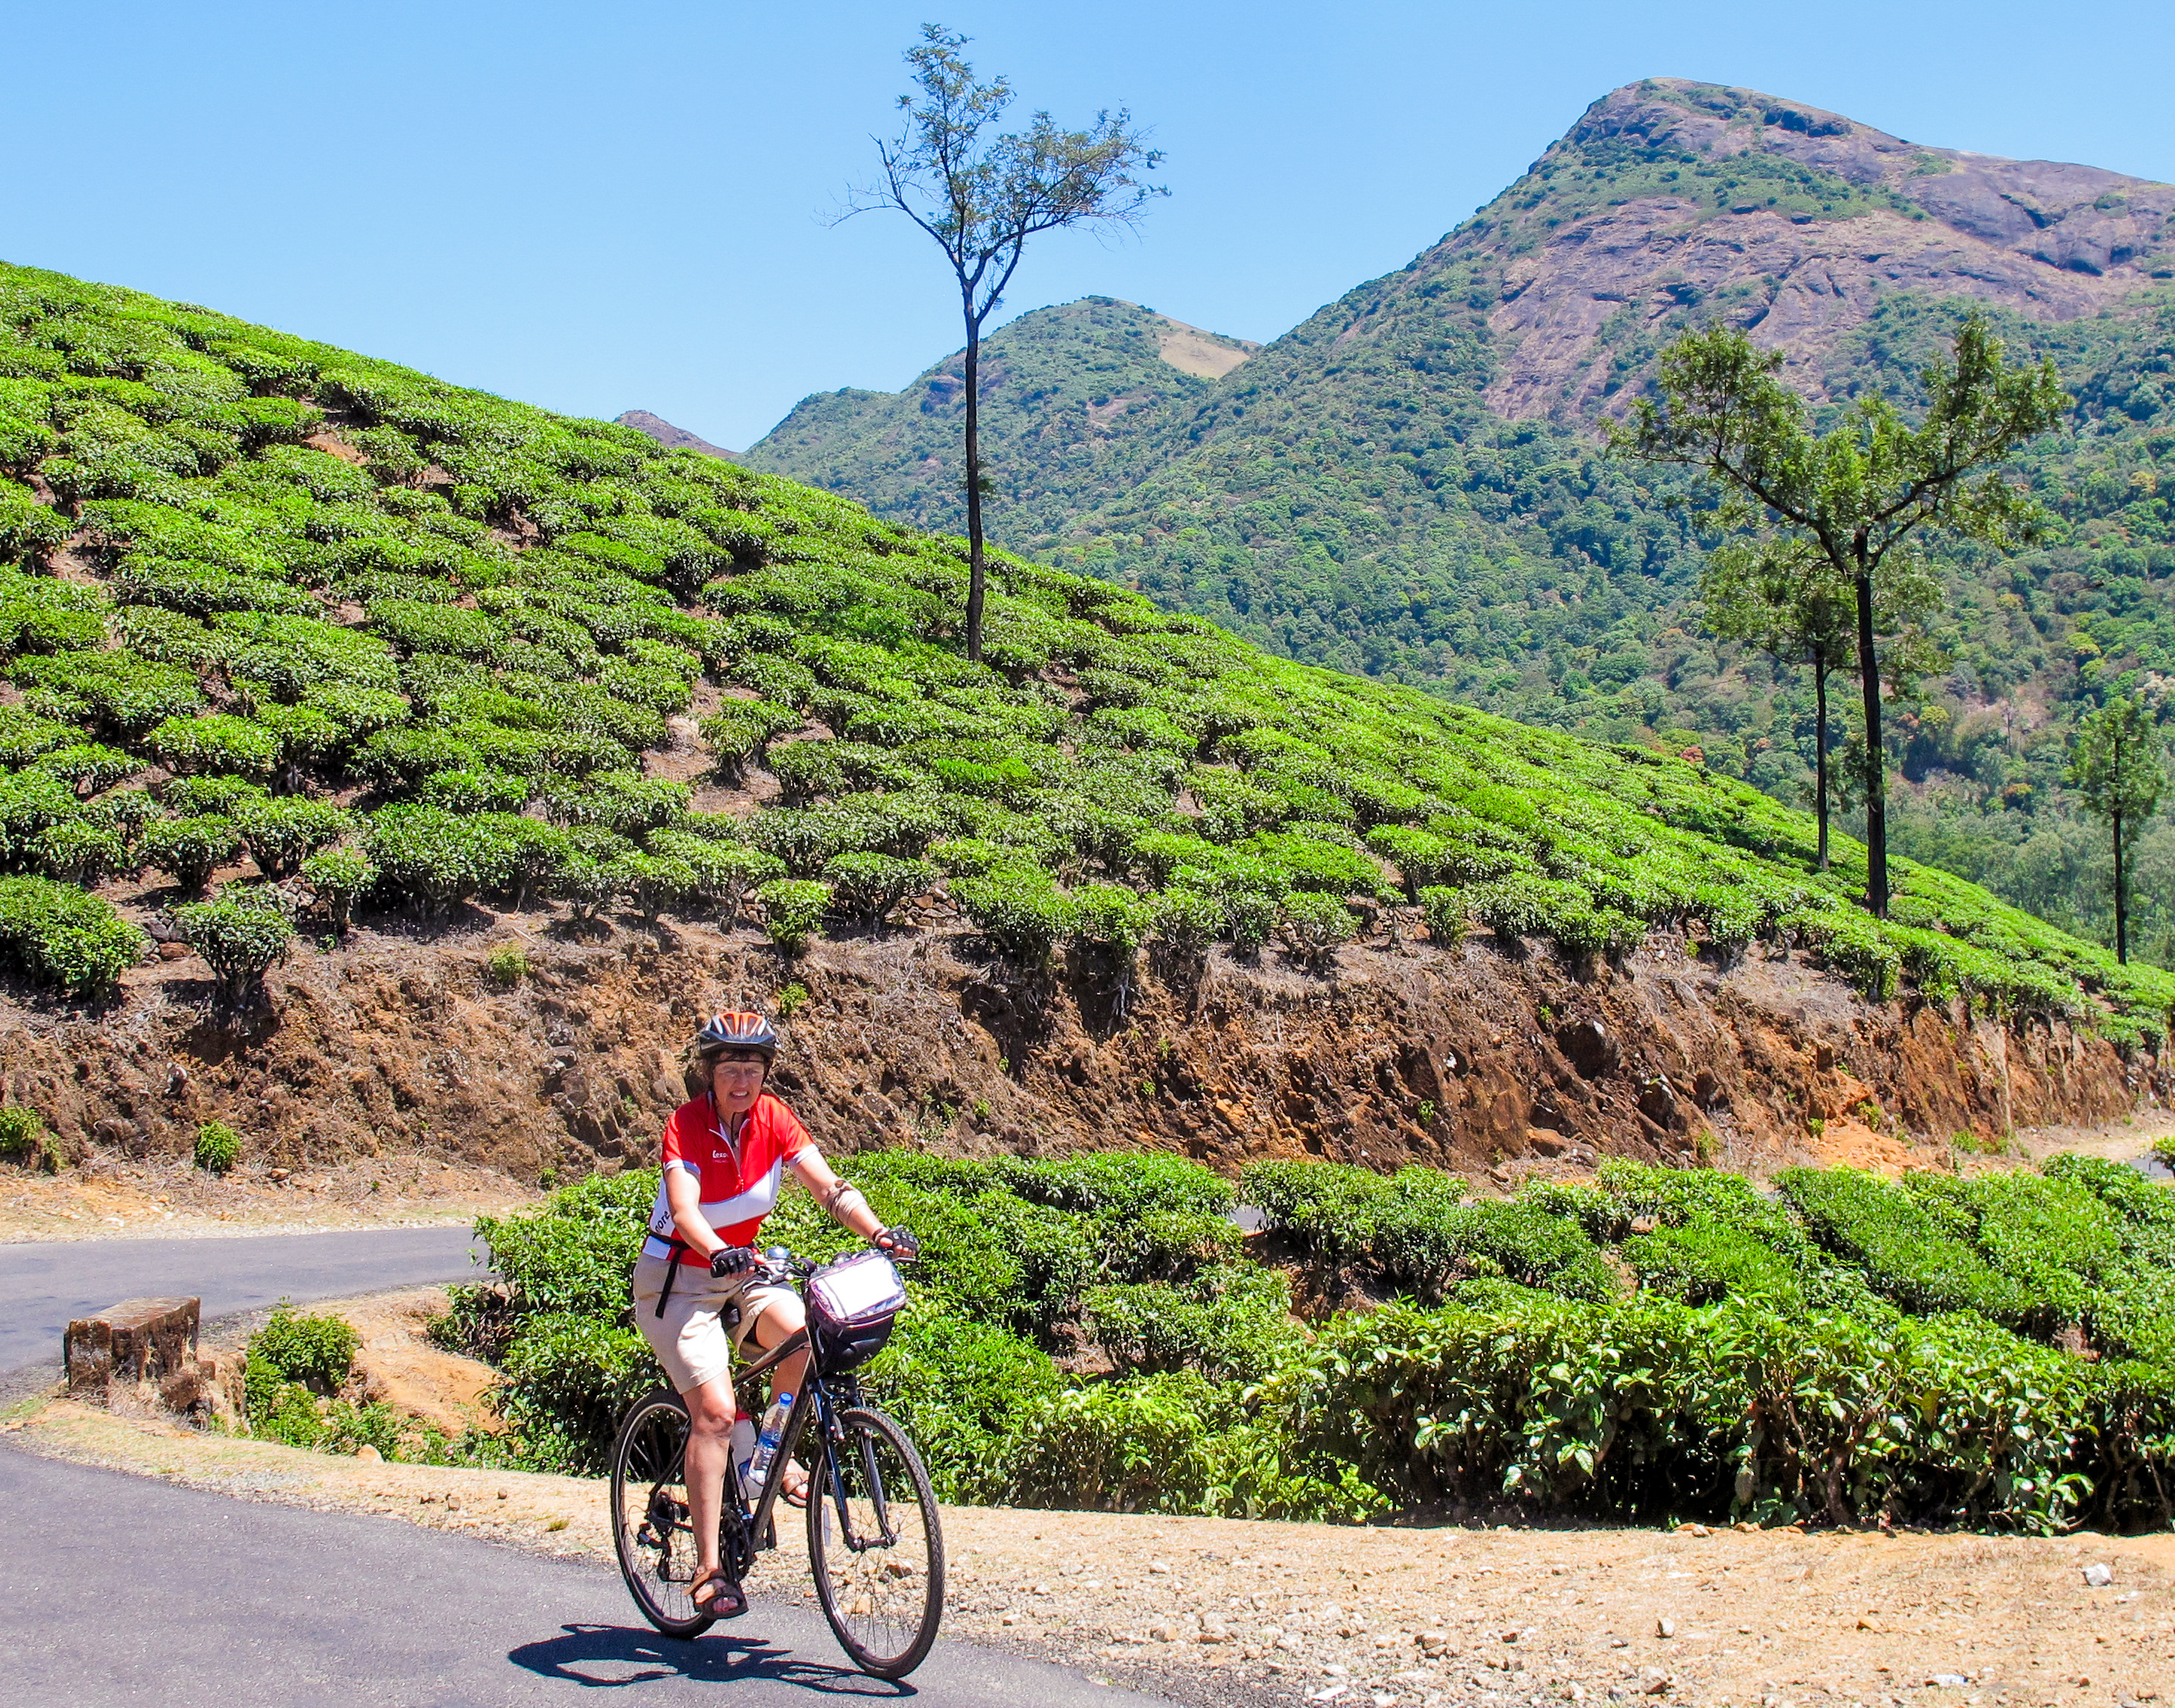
<point>651,1530</point>
<point>875,1545</point>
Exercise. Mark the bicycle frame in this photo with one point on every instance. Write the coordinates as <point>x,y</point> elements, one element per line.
<point>815,1396</point>
<point>812,1396</point>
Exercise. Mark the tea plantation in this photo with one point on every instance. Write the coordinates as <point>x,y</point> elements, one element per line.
<point>404,644</point>
<point>1993,1351</point>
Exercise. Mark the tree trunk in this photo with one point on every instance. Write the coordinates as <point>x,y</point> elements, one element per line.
<point>1876,755</point>
<point>2121,895</point>
<point>974,572</point>
<point>1821,754</point>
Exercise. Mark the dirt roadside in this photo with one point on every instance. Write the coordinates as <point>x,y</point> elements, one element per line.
<point>1217,1611</point>
<point>169,1199</point>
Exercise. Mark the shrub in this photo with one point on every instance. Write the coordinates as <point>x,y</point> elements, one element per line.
<point>282,833</point>
<point>339,877</point>
<point>82,852</point>
<point>507,963</point>
<point>63,938</point>
<point>88,767</point>
<point>1313,925</point>
<point>724,876</point>
<point>234,746</point>
<point>1445,911</point>
<point>475,791</point>
<point>1023,914</point>
<point>1876,1225</point>
<point>218,1147</point>
<point>212,797</point>
<point>587,884</point>
<point>188,850</point>
<point>1186,925</point>
<point>1233,1323</point>
<point>427,855</point>
<point>568,1378</point>
<point>241,933</point>
<point>869,886</point>
<point>623,802</point>
<point>1126,1184</point>
<point>655,885</point>
<point>961,1387</point>
<point>23,1138</point>
<point>793,909</point>
<point>318,1351</point>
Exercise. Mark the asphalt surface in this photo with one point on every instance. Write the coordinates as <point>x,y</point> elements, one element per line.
<point>45,1284</point>
<point>116,1589</point>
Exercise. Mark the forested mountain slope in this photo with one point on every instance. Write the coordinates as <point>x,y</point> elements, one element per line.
<point>1062,390</point>
<point>1409,484</point>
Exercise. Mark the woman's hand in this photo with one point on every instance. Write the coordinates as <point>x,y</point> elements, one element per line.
<point>898,1245</point>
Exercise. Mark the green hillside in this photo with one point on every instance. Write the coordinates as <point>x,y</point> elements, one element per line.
<point>1402,486</point>
<point>1062,390</point>
<point>405,643</point>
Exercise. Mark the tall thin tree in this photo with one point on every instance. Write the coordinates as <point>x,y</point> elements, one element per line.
<point>2120,769</point>
<point>1785,598</point>
<point>1860,493</point>
<point>981,196</point>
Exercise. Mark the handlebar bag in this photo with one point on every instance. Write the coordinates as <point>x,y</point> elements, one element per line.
<point>852,1305</point>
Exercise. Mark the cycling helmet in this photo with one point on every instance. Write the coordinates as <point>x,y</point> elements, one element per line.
<point>734,1030</point>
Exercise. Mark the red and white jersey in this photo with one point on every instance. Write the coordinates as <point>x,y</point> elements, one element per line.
<point>738,1191</point>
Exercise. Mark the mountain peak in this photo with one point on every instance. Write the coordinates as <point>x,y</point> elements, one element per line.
<point>671,438</point>
<point>1672,201</point>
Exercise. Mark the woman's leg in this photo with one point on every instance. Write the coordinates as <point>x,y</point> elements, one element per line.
<point>710,1411</point>
<point>782,1316</point>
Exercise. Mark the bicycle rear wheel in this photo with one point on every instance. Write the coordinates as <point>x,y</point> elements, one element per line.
<point>650,1528</point>
<point>875,1545</point>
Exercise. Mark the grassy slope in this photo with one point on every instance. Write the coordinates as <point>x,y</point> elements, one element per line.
<point>1346,498</point>
<point>497,609</point>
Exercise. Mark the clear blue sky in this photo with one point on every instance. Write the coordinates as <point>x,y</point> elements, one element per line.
<point>600,208</point>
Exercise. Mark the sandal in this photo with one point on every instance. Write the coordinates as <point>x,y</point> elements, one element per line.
<point>791,1493</point>
<point>726,1601</point>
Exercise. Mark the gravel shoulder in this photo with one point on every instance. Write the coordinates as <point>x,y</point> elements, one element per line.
<point>1220,1611</point>
<point>170,1200</point>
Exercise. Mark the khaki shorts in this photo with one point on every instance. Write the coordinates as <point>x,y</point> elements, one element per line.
<point>690,1340</point>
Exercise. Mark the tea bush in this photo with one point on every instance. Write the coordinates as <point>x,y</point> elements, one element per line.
<point>525,627</point>
<point>242,934</point>
<point>1729,1383</point>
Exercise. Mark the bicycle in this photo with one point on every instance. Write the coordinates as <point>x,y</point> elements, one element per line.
<point>877,1558</point>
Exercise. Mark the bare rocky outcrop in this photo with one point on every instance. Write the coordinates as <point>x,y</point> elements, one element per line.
<point>2045,238</point>
<point>1477,1058</point>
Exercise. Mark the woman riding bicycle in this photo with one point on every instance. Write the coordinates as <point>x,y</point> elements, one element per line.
<point>700,1293</point>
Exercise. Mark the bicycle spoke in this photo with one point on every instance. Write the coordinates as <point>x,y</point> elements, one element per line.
<point>874,1545</point>
<point>652,1533</point>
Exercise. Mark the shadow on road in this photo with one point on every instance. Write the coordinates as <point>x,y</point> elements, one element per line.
<point>606,1656</point>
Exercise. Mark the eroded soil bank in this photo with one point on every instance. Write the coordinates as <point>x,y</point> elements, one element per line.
<point>1490,1060</point>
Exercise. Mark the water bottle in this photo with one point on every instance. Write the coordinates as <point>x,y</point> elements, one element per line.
<point>743,1451</point>
<point>766,1443</point>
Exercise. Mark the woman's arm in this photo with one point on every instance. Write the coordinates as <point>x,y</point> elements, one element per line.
<point>683,1191</point>
<point>845,1203</point>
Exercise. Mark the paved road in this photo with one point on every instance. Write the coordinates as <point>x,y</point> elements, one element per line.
<point>44,1284</point>
<point>117,1589</point>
